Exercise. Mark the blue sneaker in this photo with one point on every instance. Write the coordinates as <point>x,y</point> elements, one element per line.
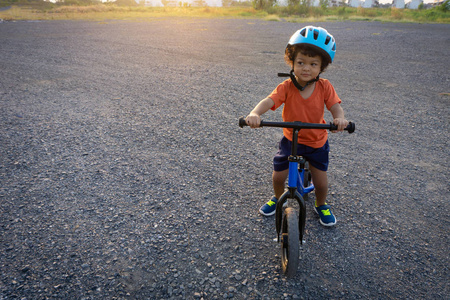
<point>269,208</point>
<point>326,216</point>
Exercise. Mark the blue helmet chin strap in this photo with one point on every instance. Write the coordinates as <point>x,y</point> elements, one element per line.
<point>297,85</point>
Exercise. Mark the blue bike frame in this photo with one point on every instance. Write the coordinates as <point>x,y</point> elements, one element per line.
<point>296,179</point>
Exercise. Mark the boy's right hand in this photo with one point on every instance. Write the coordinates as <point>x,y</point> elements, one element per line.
<point>253,120</point>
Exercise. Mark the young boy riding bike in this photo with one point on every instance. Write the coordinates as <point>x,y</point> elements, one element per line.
<point>309,51</point>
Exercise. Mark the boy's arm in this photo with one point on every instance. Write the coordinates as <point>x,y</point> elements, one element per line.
<point>338,117</point>
<point>254,118</point>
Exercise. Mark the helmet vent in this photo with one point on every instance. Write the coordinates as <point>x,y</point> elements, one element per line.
<point>316,34</point>
<point>303,32</point>
<point>327,40</point>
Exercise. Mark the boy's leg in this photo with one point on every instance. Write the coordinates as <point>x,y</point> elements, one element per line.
<point>320,181</point>
<point>321,186</point>
<point>278,179</point>
<point>279,175</point>
<point>279,182</point>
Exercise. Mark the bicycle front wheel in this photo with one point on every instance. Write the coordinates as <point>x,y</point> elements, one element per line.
<point>290,243</point>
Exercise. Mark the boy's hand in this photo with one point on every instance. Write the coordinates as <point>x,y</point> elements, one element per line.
<point>253,120</point>
<point>341,123</point>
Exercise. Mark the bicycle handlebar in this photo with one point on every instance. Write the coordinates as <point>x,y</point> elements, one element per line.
<point>299,125</point>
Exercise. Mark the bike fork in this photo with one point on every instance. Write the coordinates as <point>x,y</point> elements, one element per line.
<point>292,192</point>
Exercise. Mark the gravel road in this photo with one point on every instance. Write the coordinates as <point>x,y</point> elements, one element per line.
<point>124,175</point>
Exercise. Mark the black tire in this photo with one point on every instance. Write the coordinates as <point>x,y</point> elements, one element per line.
<point>307,175</point>
<point>290,243</point>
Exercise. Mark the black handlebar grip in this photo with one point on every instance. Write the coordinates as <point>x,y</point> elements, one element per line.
<point>242,122</point>
<point>350,127</point>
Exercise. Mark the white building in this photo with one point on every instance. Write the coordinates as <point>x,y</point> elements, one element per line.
<point>355,3</point>
<point>336,3</point>
<point>398,3</point>
<point>434,3</point>
<point>368,3</point>
<point>153,3</point>
<point>414,4</point>
<point>214,3</point>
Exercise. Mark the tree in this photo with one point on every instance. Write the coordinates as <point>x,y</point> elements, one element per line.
<point>263,4</point>
<point>445,6</point>
<point>324,4</point>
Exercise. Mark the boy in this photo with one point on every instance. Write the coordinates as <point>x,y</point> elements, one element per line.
<point>304,95</point>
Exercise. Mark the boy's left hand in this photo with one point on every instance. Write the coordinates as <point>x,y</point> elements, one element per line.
<point>341,123</point>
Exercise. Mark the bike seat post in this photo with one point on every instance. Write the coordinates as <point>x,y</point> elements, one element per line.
<point>294,142</point>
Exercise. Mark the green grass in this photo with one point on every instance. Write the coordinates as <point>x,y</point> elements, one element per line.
<point>98,12</point>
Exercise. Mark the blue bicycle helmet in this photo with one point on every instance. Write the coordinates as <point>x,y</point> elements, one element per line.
<point>317,37</point>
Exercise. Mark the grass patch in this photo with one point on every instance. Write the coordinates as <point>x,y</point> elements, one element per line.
<point>109,12</point>
<point>99,12</point>
<point>272,18</point>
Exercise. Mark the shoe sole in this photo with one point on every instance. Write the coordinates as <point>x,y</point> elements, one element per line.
<point>328,224</point>
<point>266,215</point>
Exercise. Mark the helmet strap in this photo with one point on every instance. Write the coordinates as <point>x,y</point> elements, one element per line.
<point>297,85</point>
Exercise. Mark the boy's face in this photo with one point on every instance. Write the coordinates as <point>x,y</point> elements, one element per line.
<point>306,68</point>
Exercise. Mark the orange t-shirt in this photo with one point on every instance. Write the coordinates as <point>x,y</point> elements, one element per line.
<point>310,110</point>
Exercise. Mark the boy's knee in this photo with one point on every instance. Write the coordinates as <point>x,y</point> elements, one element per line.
<point>279,176</point>
<point>320,184</point>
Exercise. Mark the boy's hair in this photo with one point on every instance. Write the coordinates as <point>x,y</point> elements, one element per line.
<point>305,49</point>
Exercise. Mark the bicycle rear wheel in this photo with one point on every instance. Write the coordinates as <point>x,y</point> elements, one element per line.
<point>306,179</point>
<point>289,243</point>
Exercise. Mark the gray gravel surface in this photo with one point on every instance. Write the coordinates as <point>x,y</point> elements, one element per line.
<point>124,175</point>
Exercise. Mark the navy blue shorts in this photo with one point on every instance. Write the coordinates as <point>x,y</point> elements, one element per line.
<point>317,157</point>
